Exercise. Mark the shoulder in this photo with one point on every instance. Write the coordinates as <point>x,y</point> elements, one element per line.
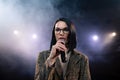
<point>43,54</point>
<point>80,54</point>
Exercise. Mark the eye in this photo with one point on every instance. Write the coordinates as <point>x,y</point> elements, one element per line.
<point>66,29</point>
<point>57,29</point>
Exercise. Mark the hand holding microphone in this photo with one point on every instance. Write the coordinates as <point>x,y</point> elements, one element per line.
<point>62,53</point>
<point>58,49</point>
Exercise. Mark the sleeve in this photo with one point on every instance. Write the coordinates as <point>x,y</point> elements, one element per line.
<point>37,72</point>
<point>41,71</point>
<point>85,72</point>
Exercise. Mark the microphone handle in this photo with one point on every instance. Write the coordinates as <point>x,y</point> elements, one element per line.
<point>63,58</point>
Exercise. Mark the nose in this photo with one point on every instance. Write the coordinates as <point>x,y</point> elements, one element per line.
<point>61,32</point>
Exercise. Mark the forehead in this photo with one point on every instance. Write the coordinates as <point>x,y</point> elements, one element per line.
<point>60,24</point>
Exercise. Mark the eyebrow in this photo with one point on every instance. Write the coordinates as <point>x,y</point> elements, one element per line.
<point>63,28</point>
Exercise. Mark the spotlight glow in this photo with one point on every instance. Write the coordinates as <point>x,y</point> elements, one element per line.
<point>113,34</point>
<point>34,36</point>
<point>95,37</point>
<point>16,32</point>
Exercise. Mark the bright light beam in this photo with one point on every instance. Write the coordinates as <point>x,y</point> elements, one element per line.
<point>113,34</point>
<point>34,36</point>
<point>95,38</point>
<point>16,32</point>
<point>109,38</point>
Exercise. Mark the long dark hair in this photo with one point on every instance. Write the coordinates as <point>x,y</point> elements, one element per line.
<point>71,37</point>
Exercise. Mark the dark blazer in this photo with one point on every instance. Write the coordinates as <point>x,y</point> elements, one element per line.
<point>77,68</point>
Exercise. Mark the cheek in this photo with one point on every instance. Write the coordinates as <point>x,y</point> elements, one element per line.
<point>66,36</point>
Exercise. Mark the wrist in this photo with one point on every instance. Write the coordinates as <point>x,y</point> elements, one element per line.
<point>50,61</point>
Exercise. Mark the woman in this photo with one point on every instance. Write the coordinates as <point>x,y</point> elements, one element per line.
<point>62,61</point>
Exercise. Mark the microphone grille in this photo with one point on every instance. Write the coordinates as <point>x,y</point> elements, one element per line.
<point>62,41</point>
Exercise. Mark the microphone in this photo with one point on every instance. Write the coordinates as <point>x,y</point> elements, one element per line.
<point>63,57</point>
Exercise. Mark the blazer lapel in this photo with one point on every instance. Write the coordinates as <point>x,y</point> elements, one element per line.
<point>72,62</point>
<point>58,67</point>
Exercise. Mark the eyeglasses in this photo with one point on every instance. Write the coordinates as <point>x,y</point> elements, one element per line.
<point>65,30</point>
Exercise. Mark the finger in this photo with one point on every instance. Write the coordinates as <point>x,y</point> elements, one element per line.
<point>62,46</point>
<point>61,41</point>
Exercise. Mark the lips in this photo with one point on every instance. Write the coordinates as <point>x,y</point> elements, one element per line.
<point>62,38</point>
